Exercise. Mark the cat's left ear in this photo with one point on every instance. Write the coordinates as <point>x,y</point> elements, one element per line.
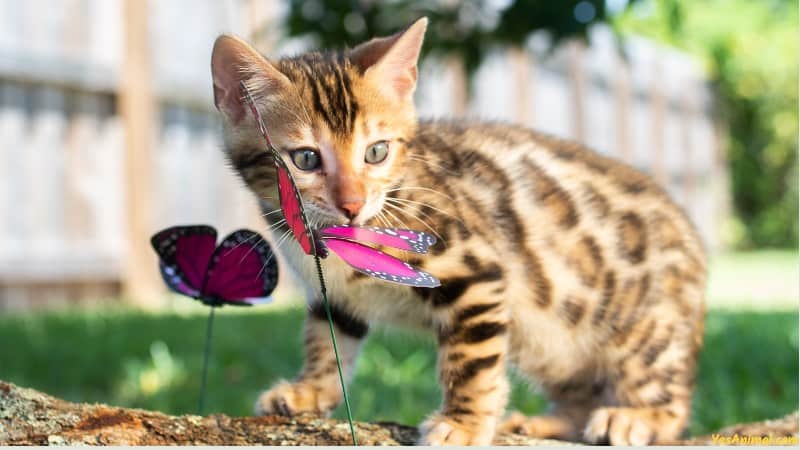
<point>392,61</point>
<point>234,61</point>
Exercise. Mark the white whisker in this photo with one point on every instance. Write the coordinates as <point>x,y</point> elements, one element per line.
<point>382,218</point>
<point>420,220</point>
<point>275,225</point>
<point>240,243</point>
<point>397,219</point>
<point>274,211</point>
<point>414,202</point>
<point>251,247</point>
<point>431,164</point>
<point>274,252</point>
<point>282,239</point>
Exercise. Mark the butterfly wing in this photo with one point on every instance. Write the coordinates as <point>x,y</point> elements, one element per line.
<point>408,240</point>
<point>242,270</point>
<point>291,203</point>
<point>292,206</point>
<point>378,264</point>
<point>184,253</point>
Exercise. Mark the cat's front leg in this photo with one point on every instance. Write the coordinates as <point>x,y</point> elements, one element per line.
<point>472,371</point>
<point>317,389</point>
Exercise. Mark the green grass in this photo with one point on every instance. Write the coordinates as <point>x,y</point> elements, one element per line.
<point>748,370</point>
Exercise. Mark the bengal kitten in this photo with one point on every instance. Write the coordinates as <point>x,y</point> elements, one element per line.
<point>577,270</point>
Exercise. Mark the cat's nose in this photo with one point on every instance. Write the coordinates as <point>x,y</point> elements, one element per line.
<point>351,208</point>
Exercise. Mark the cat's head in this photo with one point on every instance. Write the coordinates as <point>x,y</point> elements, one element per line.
<point>340,120</point>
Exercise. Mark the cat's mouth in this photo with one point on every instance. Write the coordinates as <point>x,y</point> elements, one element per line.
<point>325,215</point>
<point>322,216</point>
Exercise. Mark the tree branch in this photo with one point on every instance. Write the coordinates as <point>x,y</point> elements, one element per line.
<point>31,417</point>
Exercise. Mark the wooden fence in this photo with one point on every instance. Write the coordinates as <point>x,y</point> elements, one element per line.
<point>107,132</point>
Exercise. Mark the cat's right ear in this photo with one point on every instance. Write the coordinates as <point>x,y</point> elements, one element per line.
<point>234,61</point>
<point>392,61</point>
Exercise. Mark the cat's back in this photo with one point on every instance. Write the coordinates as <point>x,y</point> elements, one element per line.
<point>603,249</point>
<point>559,186</point>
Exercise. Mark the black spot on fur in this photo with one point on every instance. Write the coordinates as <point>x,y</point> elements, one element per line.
<point>654,351</point>
<point>453,288</point>
<point>552,196</point>
<point>450,290</point>
<point>455,356</point>
<point>471,262</point>
<point>632,237</point>
<point>597,201</point>
<point>474,310</point>
<point>609,288</point>
<point>541,284</point>
<point>572,310</point>
<point>458,411</point>
<point>471,368</point>
<point>345,321</point>
<point>253,159</point>
<point>482,332</point>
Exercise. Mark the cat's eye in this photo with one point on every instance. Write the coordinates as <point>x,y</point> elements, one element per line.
<point>306,159</point>
<point>377,152</point>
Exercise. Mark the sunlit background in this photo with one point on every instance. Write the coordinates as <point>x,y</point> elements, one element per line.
<point>108,133</point>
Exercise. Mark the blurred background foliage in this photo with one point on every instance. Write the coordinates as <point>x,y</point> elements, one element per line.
<point>467,29</point>
<point>749,48</point>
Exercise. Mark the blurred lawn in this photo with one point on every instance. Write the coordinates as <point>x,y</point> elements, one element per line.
<point>757,279</point>
<point>749,367</point>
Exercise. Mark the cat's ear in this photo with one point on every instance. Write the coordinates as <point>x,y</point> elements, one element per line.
<point>392,61</point>
<point>234,61</point>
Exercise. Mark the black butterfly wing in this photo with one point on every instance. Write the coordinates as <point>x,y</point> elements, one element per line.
<point>184,253</point>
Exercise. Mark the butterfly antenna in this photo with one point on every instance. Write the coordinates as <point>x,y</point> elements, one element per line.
<point>206,356</point>
<point>323,290</point>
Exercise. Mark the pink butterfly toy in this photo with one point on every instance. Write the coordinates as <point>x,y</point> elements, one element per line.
<point>346,241</point>
<point>241,270</point>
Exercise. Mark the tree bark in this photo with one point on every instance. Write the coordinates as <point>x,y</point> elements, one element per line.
<point>30,417</point>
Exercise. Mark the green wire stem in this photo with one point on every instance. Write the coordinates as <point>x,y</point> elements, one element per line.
<point>205,361</point>
<point>263,129</point>
<point>323,290</point>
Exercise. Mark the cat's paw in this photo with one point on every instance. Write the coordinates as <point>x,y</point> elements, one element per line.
<point>289,399</point>
<point>442,430</point>
<point>619,426</point>
<point>545,427</point>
